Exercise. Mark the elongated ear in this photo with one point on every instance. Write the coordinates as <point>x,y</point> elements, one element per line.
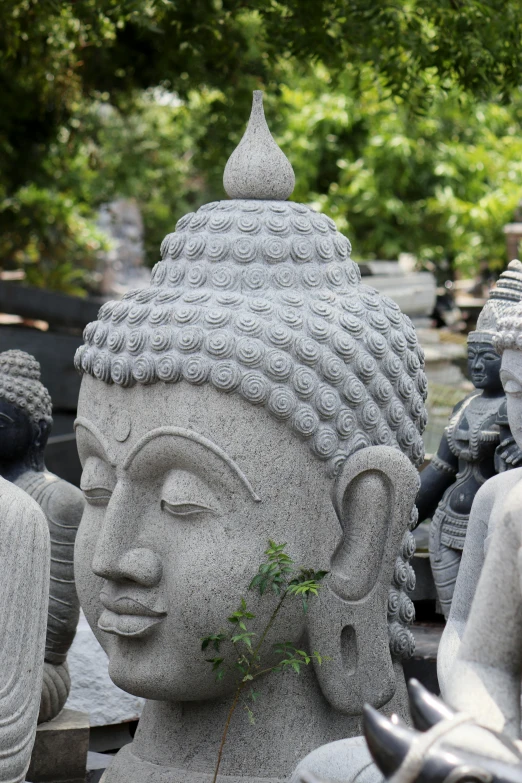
<point>373,496</point>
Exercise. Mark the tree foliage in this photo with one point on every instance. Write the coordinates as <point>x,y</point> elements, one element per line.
<point>440,184</point>
<point>397,118</point>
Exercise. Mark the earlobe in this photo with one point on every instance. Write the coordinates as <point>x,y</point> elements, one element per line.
<point>373,496</point>
<point>40,434</point>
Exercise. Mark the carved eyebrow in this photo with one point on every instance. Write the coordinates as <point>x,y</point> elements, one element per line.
<point>102,441</point>
<point>181,432</point>
<point>7,418</point>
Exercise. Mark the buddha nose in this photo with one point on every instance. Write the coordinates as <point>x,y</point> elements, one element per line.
<point>118,555</point>
<point>139,565</point>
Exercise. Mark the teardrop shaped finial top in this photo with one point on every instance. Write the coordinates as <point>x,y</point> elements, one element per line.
<point>258,168</point>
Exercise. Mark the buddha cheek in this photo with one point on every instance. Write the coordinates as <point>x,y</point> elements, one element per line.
<point>88,585</point>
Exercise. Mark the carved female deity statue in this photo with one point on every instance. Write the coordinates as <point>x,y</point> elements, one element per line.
<point>25,421</point>
<point>24,563</point>
<point>494,507</point>
<point>256,390</point>
<point>467,456</point>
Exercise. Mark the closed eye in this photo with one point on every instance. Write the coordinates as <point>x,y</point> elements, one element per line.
<point>97,496</point>
<point>185,509</point>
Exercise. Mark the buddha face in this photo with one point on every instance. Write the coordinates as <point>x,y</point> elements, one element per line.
<point>184,486</point>
<point>511,375</point>
<point>484,366</point>
<point>17,433</point>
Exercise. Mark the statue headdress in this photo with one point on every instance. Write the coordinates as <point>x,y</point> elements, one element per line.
<point>258,296</point>
<point>20,385</point>
<point>506,293</point>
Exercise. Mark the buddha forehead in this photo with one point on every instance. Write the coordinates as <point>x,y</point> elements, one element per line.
<point>196,426</point>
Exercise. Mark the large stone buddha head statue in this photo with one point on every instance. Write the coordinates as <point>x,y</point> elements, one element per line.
<point>255,390</point>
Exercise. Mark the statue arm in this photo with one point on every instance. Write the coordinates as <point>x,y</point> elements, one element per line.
<point>24,561</point>
<point>485,678</point>
<point>467,580</point>
<point>507,454</point>
<point>435,479</point>
<point>64,509</point>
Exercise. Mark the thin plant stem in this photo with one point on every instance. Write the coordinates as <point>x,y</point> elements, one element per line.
<point>225,730</point>
<point>243,682</point>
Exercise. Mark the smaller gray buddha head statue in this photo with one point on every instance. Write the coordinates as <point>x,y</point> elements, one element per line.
<point>218,409</point>
<point>25,413</point>
<point>483,359</point>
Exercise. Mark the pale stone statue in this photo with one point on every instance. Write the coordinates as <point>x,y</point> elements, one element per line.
<point>26,421</point>
<point>256,390</point>
<point>476,443</point>
<point>24,564</point>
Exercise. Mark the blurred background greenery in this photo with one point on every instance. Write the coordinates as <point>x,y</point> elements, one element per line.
<point>401,121</point>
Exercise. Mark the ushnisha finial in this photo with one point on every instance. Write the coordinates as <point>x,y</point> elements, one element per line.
<point>258,168</point>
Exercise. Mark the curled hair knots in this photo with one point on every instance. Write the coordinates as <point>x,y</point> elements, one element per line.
<point>20,385</point>
<point>509,335</point>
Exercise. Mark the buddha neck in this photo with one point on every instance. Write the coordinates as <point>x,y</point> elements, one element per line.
<point>292,718</point>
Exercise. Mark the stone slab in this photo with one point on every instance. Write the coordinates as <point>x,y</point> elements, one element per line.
<point>61,456</point>
<point>55,353</point>
<point>423,664</point>
<point>92,690</point>
<point>60,749</point>
<point>55,308</point>
<point>424,585</point>
<point>97,763</point>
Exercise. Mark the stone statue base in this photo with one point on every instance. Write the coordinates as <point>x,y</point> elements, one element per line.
<point>60,749</point>
<point>126,766</point>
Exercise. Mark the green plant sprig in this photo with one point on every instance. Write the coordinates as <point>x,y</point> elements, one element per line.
<point>277,575</point>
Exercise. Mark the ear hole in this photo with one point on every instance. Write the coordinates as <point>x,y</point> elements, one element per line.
<point>349,649</point>
<point>40,434</point>
<point>365,513</point>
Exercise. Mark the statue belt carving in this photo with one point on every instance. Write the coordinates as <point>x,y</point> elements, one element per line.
<point>452,525</point>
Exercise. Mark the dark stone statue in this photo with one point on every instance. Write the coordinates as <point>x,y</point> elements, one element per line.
<point>25,425</point>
